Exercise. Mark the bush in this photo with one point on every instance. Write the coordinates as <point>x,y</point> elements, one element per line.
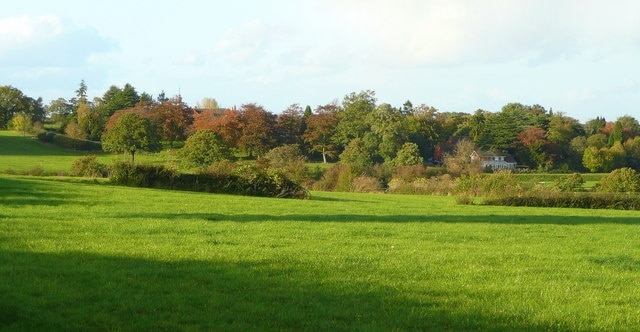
<point>141,175</point>
<point>45,136</point>
<point>500,183</point>
<point>571,182</point>
<point>283,155</point>
<point>222,167</point>
<point>409,173</point>
<point>290,160</point>
<point>339,177</point>
<point>204,148</point>
<point>435,185</point>
<point>88,166</point>
<point>366,184</point>
<point>36,171</point>
<point>570,200</point>
<point>619,181</point>
<point>245,180</point>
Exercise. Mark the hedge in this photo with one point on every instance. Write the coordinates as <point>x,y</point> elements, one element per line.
<point>571,200</point>
<point>244,181</point>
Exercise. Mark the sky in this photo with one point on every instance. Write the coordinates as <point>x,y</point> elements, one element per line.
<point>581,58</point>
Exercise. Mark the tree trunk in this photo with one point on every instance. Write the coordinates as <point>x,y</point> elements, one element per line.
<point>132,157</point>
<point>324,157</point>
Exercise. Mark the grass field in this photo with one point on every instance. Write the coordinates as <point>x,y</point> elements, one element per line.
<point>19,153</point>
<point>84,256</point>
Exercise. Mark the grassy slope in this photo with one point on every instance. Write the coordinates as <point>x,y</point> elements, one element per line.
<point>82,256</point>
<point>22,153</point>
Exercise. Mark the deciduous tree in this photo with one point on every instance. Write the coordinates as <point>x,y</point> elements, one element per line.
<point>13,101</point>
<point>354,116</point>
<point>60,111</point>
<point>132,133</point>
<point>290,125</point>
<point>208,103</point>
<point>408,155</point>
<point>388,124</point>
<point>320,129</point>
<point>258,129</point>
<point>204,148</point>
<point>357,152</point>
<point>21,123</point>
<point>597,160</point>
<point>174,117</point>
<point>460,162</point>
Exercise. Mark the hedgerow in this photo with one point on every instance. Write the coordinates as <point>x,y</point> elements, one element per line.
<point>243,180</point>
<point>570,200</point>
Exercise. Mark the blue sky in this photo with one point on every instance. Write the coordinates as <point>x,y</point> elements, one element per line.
<point>581,58</point>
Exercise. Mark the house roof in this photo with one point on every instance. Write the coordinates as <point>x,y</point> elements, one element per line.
<point>492,154</point>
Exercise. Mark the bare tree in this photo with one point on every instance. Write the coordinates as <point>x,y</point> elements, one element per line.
<point>461,161</point>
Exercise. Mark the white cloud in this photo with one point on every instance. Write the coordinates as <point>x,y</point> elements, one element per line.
<point>26,29</point>
<point>48,41</point>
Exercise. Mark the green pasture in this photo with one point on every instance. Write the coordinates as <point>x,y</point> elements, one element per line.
<point>547,179</point>
<point>19,153</point>
<point>85,256</point>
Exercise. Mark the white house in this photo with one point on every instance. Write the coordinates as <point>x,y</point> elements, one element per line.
<point>494,161</point>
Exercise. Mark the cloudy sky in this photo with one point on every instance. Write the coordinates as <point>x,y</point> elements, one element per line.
<point>577,57</point>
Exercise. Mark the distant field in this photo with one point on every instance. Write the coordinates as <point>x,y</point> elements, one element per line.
<point>548,179</point>
<point>83,256</point>
<point>22,153</point>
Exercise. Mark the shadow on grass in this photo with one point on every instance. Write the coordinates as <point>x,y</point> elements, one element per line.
<point>396,218</point>
<point>20,192</point>
<point>15,145</point>
<point>82,291</point>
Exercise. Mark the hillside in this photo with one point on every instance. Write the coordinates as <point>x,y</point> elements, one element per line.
<point>23,153</point>
<point>19,153</point>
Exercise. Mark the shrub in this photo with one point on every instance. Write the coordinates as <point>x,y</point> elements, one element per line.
<point>500,183</point>
<point>73,130</point>
<point>400,186</point>
<point>283,155</point>
<point>88,166</point>
<point>36,171</point>
<point>246,180</point>
<point>620,180</point>
<point>204,148</point>
<point>464,200</point>
<point>366,184</point>
<point>435,185</point>
<point>409,173</point>
<point>45,136</point>
<point>339,177</point>
<point>571,182</point>
<point>569,200</point>
<point>497,184</point>
<point>222,167</point>
<point>289,159</point>
<point>382,172</point>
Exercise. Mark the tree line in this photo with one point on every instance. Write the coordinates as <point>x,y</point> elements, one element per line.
<point>358,129</point>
